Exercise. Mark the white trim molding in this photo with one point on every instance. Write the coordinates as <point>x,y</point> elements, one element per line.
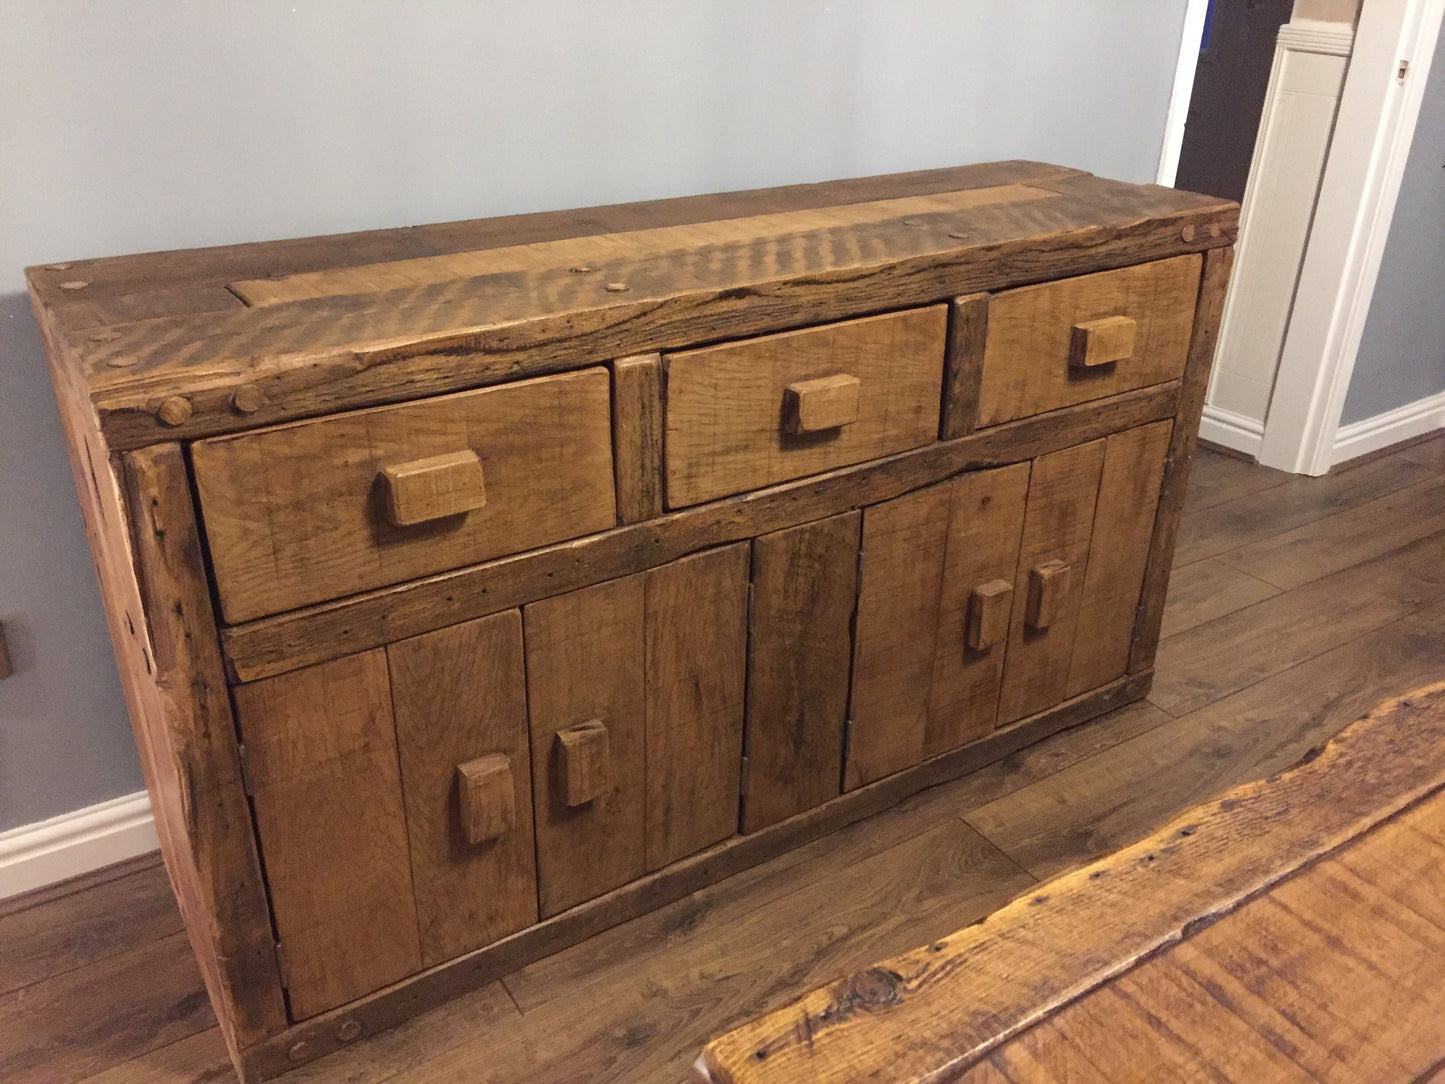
<point>1394,45</point>
<point>1317,36</point>
<point>1229,430</point>
<point>1190,40</point>
<point>35,855</point>
<point>1403,423</point>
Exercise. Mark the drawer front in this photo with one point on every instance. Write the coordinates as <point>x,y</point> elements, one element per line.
<point>315,510</point>
<point>933,618</point>
<point>749,414</point>
<point>1066,342</point>
<point>635,697</point>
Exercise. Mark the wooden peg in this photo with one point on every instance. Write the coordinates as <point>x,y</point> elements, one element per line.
<point>1099,342</point>
<point>988,614</point>
<point>431,488</point>
<point>825,403</point>
<point>247,399</point>
<point>1048,587</point>
<point>175,411</point>
<point>488,797</point>
<point>582,761</point>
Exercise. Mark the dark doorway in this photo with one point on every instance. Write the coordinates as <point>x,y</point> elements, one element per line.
<point>1228,95</point>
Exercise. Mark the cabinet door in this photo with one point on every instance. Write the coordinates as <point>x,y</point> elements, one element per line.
<point>800,644</point>
<point>321,754</point>
<point>1063,491</point>
<point>635,692</point>
<point>1118,554</point>
<point>460,702</point>
<point>937,592</point>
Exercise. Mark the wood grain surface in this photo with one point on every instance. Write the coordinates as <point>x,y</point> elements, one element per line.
<point>800,646</point>
<point>295,515</point>
<point>727,429</point>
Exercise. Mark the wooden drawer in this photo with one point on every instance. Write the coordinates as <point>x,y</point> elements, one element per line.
<point>314,510</point>
<point>748,414</point>
<point>635,696</point>
<point>1077,339</point>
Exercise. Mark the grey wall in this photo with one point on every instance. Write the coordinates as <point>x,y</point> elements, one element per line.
<point>161,124</point>
<point>1402,351</point>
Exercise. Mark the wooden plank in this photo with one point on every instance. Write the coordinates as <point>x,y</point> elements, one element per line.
<point>1213,282</point>
<point>293,516</point>
<point>311,1039</point>
<point>585,658</point>
<point>1118,554</point>
<point>1205,590</point>
<point>1026,367</point>
<point>985,524</point>
<point>274,645</point>
<point>637,436</point>
<point>696,635</point>
<point>905,543</point>
<point>460,694</point>
<point>921,1015</point>
<point>963,365</point>
<point>322,758</point>
<point>1063,490</point>
<point>726,405</point>
<point>352,351</point>
<point>800,645</point>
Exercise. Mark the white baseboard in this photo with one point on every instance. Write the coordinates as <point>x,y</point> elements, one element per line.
<point>35,855</point>
<point>1230,430</point>
<point>1371,434</point>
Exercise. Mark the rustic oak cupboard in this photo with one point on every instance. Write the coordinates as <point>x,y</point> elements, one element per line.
<point>476,587</point>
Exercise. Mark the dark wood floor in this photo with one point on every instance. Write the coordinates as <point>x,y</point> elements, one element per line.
<point>1296,605</point>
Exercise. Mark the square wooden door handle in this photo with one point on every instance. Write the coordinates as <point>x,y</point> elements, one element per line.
<point>583,756</point>
<point>488,797</point>
<point>1048,587</point>
<point>825,403</point>
<point>988,614</point>
<point>1099,342</point>
<point>434,487</point>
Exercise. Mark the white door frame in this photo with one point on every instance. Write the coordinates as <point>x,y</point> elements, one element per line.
<point>1191,38</point>
<point>1371,142</point>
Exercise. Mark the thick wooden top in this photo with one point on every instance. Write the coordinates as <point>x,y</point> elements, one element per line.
<point>1292,930</point>
<point>195,343</point>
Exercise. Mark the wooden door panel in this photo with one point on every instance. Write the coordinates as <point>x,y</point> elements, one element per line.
<point>986,518</point>
<point>459,694</point>
<point>905,542</point>
<point>321,754</point>
<point>1118,553</point>
<point>696,632</point>
<point>584,664</point>
<point>1063,489</point>
<point>800,644</point>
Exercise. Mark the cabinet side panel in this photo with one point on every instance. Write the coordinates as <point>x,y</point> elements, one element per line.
<point>805,583</point>
<point>1118,552</point>
<point>904,543</point>
<point>460,694</point>
<point>1063,489</point>
<point>585,663</point>
<point>984,527</point>
<point>321,747</point>
<point>696,628</point>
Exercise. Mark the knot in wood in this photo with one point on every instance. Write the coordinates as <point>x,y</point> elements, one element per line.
<point>875,987</point>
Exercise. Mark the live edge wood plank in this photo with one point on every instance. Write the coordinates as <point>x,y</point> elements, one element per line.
<point>331,1031</point>
<point>932,1013</point>
<point>274,645</point>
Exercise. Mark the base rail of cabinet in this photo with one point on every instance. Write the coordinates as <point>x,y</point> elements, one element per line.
<point>332,1030</point>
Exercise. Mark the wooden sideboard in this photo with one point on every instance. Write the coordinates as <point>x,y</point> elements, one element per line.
<point>479,586</point>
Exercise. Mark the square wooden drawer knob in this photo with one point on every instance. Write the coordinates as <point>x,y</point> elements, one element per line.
<point>488,797</point>
<point>582,754</point>
<point>434,487</point>
<point>1100,342</point>
<point>988,614</point>
<point>826,403</point>
<point>1048,588</point>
